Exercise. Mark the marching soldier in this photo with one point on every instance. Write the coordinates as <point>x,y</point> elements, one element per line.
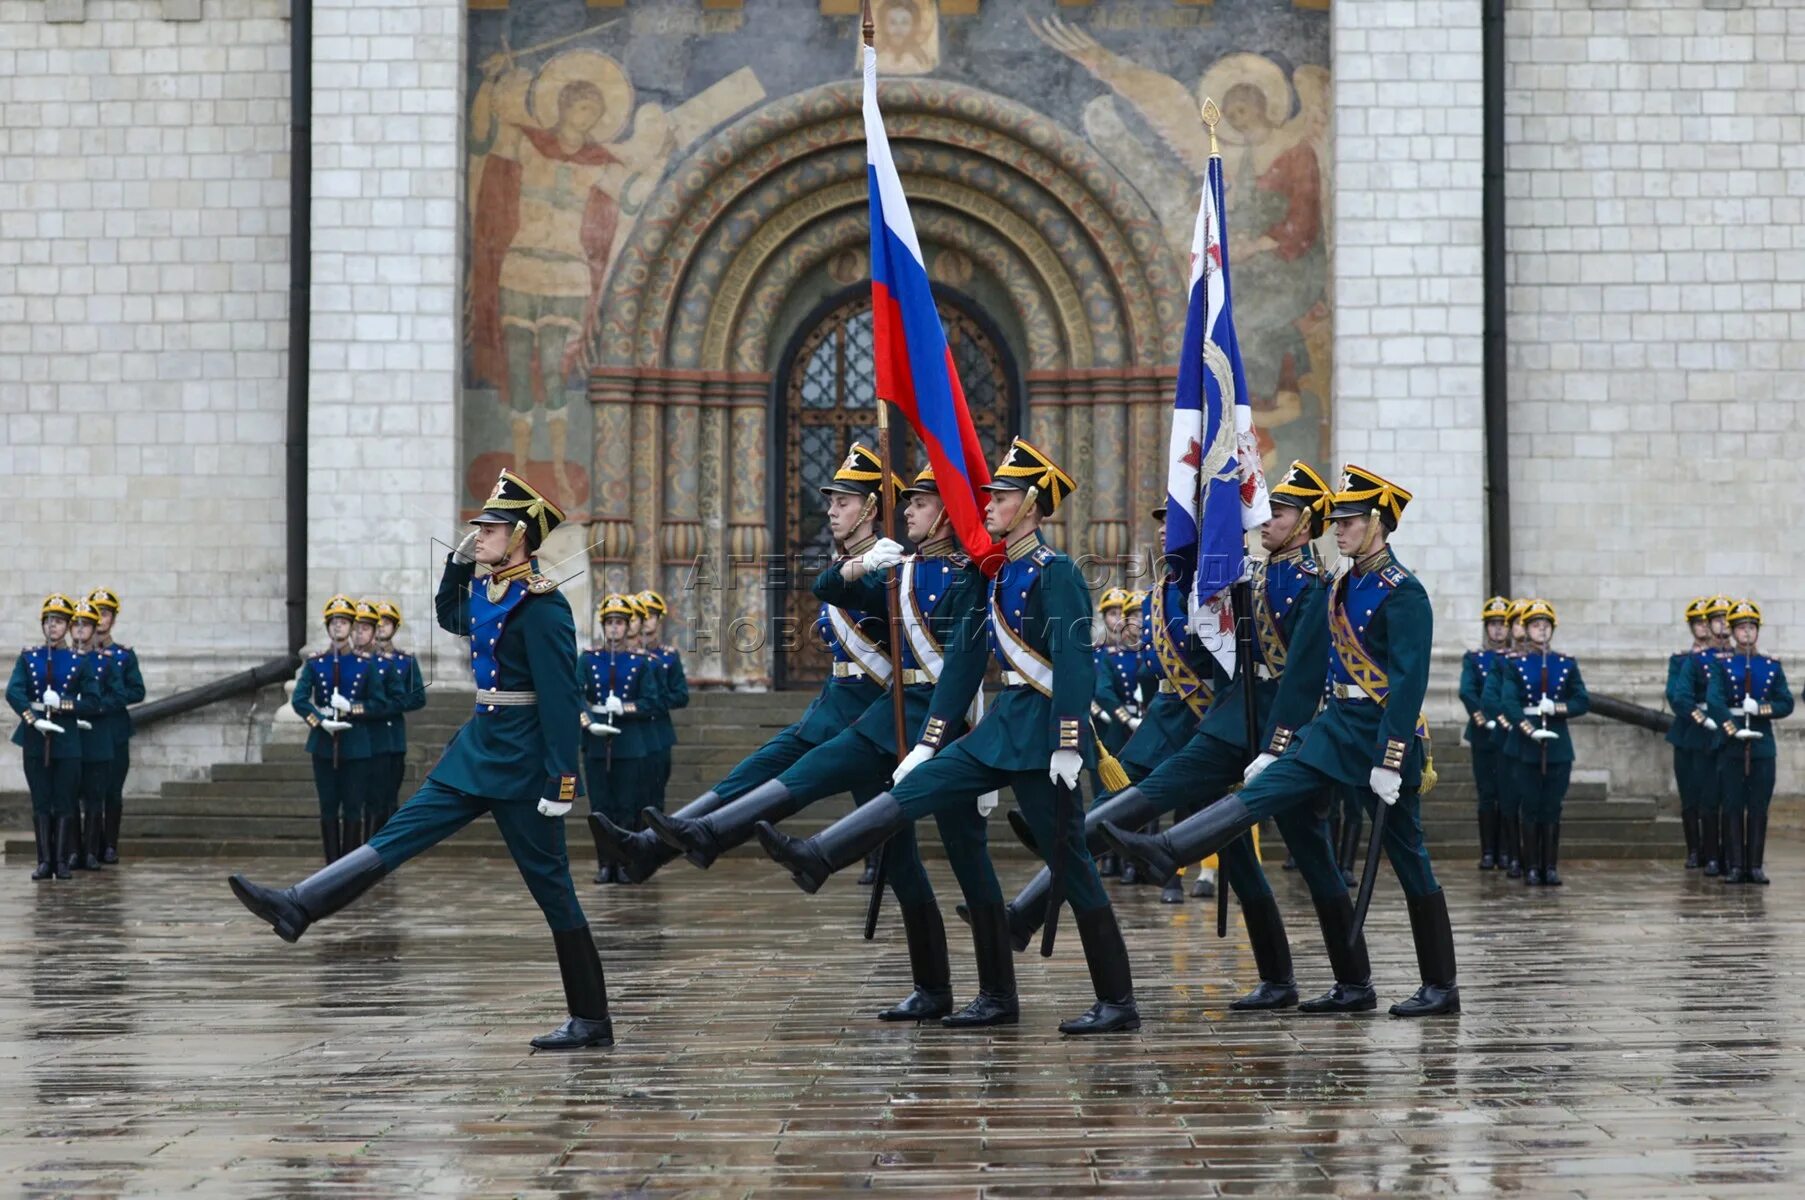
<point>1748,693</point>
<point>859,642</point>
<point>116,722</point>
<point>406,691</point>
<point>516,758</point>
<point>1481,733</point>
<point>1037,740</point>
<point>1370,736</point>
<point>675,685</point>
<point>1536,693</point>
<point>940,590</point>
<point>330,695</point>
<point>1694,761</point>
<point>51,689</point>
<point>97,745</point>
<point>625,694</point>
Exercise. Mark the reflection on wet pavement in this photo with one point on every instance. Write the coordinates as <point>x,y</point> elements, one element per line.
<point>1633,1034</point>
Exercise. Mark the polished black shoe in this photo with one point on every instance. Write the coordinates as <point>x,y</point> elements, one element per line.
<point>1516,869</point>
<point>854,836</point>
<point>44,830</point>
<point>577,1033</point>
<point>1551,877</point>
<point>1733,875</point>
<point>1290,864</point>
<point>1692,863</point>
<point>1103,1017</point>
<point>1271,948</point>
<point>1711,868</point>
<point>688,838</point>
<point>1204,888</point>
<point>1487,862</point>
<point>995,1003</point>
<point>603,874</point>
<point>1131,874</point>
<point>635,856</point>
<point>1173,892</point>
<point>1343,998</point>
<point>291,910</point>
<point>1106,956</point>
<point>1267,997</point>
<point>920,1006</point>
<point>983,1012</point>
<point>1533,877</point>
<point>1758,875</point>
<point>1430,1000</point>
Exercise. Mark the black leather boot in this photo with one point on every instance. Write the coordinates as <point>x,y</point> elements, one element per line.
<point>835,848</point>
<point>1191,840</point>
<point>1106,954</point>
<point>63,847</point>
<point>1513,846</point>
<point>329,838</point>
<point>291,910</point>
<point>95,834</point>
<point>43,831</point>
<point>585,995</point>
<point>1272,953</point>
<point>928,967</point>
<point>1488,855</point>
<point>1757,854</point>
<point>1109,865</point>
<point>995,1003</point>
<point>638,856</point>
<point>1434,938</point>
<point>1733,837</point>
<point>1709,828</point>
<point>1535,850</point>
<point>351,833</point>
<point>1353,990</point>
<point>1026,913</point>
<point>115,811</point>
<point>1349,849</point>
<point>1173,892</point>
<point>1689,823</point>
<point>705,838</point>
<point>1551,876</point>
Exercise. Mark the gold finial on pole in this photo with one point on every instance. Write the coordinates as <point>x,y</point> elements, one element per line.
<point>1211,114</point>
<point>867,26</point>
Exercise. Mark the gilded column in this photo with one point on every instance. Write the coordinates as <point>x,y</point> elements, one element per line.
<point>611,537</point>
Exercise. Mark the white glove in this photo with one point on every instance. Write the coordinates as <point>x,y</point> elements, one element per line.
<point>52,698</point>
<point>1134,723</point>
<point>886,553</point>
<point>335,726</point>
<point>987,804</point>
<point>612,706</point>
<point>339,703</point>
<point>465,552</point>
<point>600,710</point>
<point>1385,784</point>
<point>47,727</point>
<point>1710,724</point>
<point>1064,766</point>
<point>1546,707</point>
<point>601,729</point>
<point>552,808</point>
<point>1256,766</point>
<point>81,724</point>
<point>911,760</point>
<point>1748,735</point>
<point>1751,706</point>
<point>1545,735</point>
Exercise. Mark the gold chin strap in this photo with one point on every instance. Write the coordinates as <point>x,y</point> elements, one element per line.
<point>1303,527</point>
<point>1028,499</point>
<point>1372,531</point>
<point>515,538</point>
<point>933,529</point>
<point>868,510</point>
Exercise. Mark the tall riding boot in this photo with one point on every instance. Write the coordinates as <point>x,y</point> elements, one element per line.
<point>1353,990</point>
<point>329,838</point>
<point>640,855</point>
<point>43,830</point>
<point>115,811</point>
<point>1191,840</point>
<point>1535,851</point>
<point>705,838</point>
<point>1709,828</point>
<point>72,849</point>
<point>1488,838</point>
<point>928,967</point>
<point>94,830</point>
<point>838,846</point>
<point>1434,938</point>
<point>1109,866</point>
<point>995,1003</point>
<point>1271,952</point>
<point>64,847</point>
<point>1551,875</point>
<point>352,835</point>
<point>1131,870</point>
<point>1106,954</point>
<point>1027,912</point>
<point>1513,845</point>
<point>1733,835</point>
<point>291,910</point>
<point>1757,855</point>
<point>1689,823</point>
<point>868,876</point>
<point>585,995</point>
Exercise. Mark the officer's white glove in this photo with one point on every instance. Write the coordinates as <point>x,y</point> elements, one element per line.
<point>911,760</point>
<point>52,698</point>
<point>1134,723</point>
<point>885,553</point>
<point>1546,707</point>
<point>1751,706</point>
<point>465,551</point>
<point>1748,735</point>
<point>1710,724</point>
<point>1256,766</point>
<point>339,703</point>
<point>1545,735</point>
<point>81,724</point>
<point>553,808</point>
<point>600,710</point>
<point>601,729</point>
<point>1385,784</point>
<point>43,726</point>
<point>1064,766</point>
<point>987,804</point>
<point>612,706</point>
<point>335,726</point>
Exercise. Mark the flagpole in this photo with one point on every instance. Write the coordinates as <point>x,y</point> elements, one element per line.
<point>892,585</point>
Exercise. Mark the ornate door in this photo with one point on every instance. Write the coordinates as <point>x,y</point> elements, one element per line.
<point>827,398</point>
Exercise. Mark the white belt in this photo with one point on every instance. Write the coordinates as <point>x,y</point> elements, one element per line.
<point>505,699</point>
<point>1014,679</point>
<point>1262,671</point>
<point>1349,691</point>
<point>848,670</point>
<point>913,676</point>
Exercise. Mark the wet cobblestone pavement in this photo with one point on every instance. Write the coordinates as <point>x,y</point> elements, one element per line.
<point>1635,1033</point>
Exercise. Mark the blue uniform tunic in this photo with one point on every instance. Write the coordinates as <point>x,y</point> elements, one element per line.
<point>53,761</point>
<point>1540,769</point>
<point>1746,768</point>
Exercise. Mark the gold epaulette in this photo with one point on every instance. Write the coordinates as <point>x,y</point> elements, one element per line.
<point>539,584</point>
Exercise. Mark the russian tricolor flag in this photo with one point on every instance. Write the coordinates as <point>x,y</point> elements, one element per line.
<point>915,368</point>
<point>1215,488</point>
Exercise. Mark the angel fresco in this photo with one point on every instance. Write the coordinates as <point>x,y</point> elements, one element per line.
<point>1275,164</point>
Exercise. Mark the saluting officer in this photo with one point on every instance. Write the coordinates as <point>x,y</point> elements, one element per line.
<point>516,758</point>
<point>1036,740</point>
<point>1370,736</point>
<point>1481,734</point>
<point>859,642</point>
<point>1688,675</point>
<point>675,685</point>
<point>406,691</point>
<point>624,691</point>
<point>115,721</point>
<point>97,745</point>
<point>1536,693</point>
<point>50,689</point>
<point>1748,693</point>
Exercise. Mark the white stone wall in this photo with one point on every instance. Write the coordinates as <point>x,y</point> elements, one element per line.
<point>1656,188</point>
<point>1407,281</point>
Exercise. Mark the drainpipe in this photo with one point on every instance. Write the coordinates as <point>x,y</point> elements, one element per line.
<point>300,288</point>
<point>1497,450</point>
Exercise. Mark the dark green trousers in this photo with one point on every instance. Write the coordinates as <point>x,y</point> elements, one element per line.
<point>1543,791</point>
<point>765,763</point>
<point>342,789</point>
<point>617,787</point>
<point>1207,768</point>
<point>1746,794</point>
<point>55,785</point>
<point>1488,767</point>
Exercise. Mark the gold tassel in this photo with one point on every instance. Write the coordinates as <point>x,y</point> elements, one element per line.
<point>1429,775</point>
<point>1109,771</point>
